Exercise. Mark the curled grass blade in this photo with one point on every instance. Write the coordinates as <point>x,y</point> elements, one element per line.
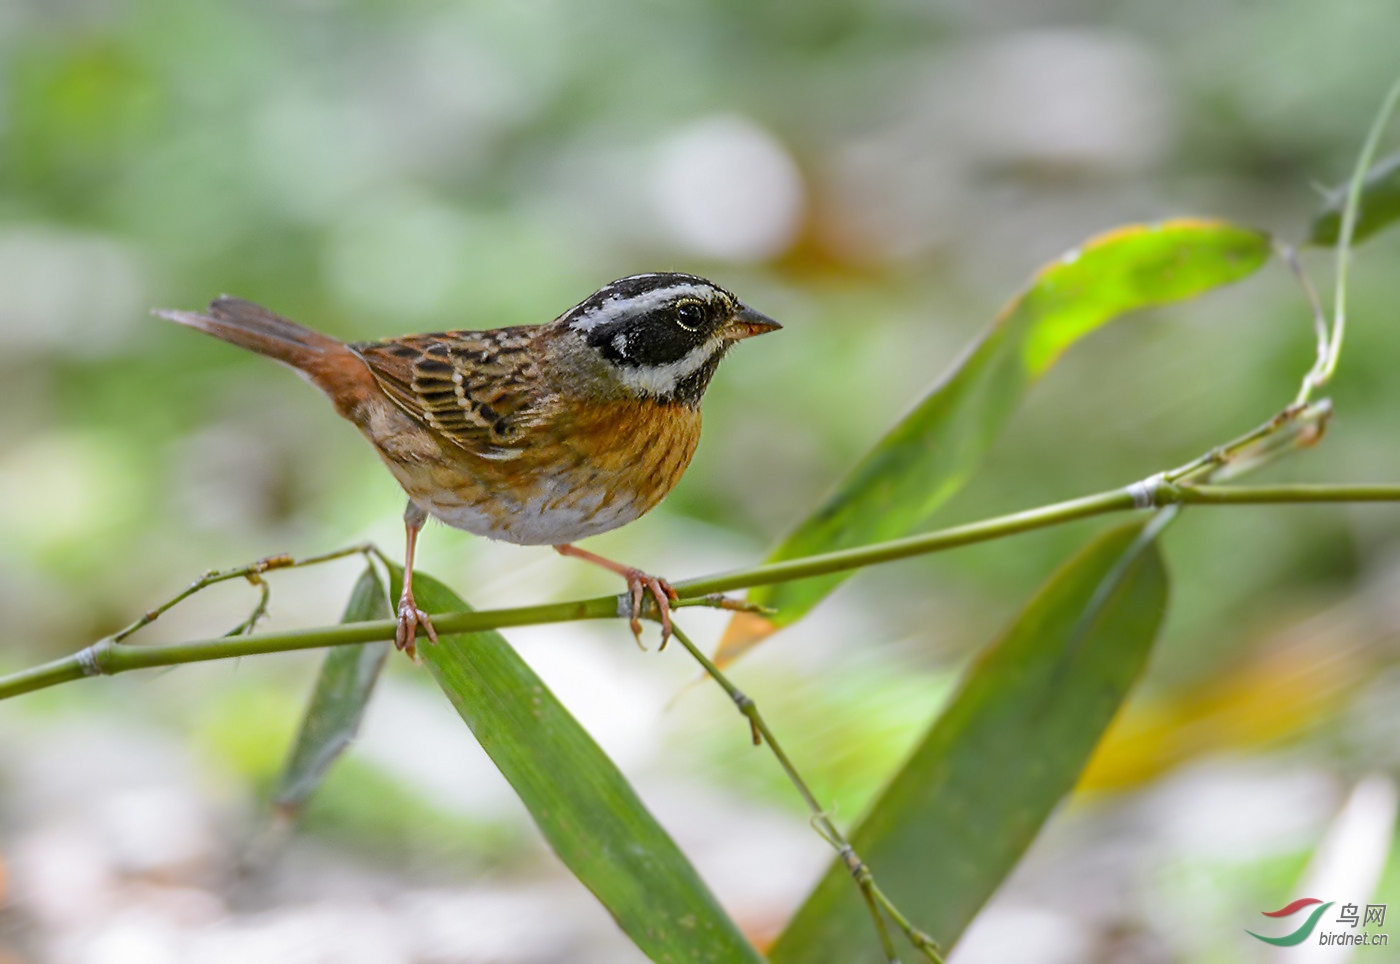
<point>338,700</point>
<point>934,449</point>
<point>964,808</point>
<point>578,798</point>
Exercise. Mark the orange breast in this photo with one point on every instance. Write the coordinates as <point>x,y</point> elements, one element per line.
<point>631,449</point>
<point>591,470</point>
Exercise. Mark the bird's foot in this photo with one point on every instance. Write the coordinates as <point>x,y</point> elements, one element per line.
<point>639,584</point>
<point>411,619</point>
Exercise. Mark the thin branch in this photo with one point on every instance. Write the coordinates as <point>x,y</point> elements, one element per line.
<point>874,897</point>
<point>259,612</point>
<point>1289,255</point>
<point>1297,426</point>
<point>106,658</point>
<point>253,572</point>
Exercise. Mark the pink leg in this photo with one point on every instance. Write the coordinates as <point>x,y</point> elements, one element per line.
<point>410,616</point>
<point>638,583</point>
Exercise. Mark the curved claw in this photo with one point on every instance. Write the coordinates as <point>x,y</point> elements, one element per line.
<point>639,583</point>
<point>411,618</point>
<point>636,586</point>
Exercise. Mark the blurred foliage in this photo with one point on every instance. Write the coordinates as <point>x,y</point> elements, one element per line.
<point>579,800</point>
<point>362,810</point>
<point>373,168</point>
<point>850,730</point>
<point>936,448</point>
<point>1380,205</point>
<point>336,708</point>
<point>957,817</point>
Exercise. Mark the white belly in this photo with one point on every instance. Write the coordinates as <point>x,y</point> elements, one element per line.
<point>549,518</point>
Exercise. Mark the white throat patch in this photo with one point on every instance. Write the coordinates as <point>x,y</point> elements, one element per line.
<point>661,380</point>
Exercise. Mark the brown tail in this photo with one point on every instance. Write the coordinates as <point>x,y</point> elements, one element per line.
<point>326,362</point>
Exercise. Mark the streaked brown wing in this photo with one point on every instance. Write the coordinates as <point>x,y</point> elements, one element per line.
<point>482,390</point>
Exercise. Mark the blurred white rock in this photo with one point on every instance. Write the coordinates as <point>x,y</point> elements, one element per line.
<point>414,734</point>
<point>726,188</point>
<point>59,876</point>
<point>1348,863</point>
<point>1241,808</point>
<point>154,829</point>
<point>132,938</point>
<point>339,933</point>
<point>1025,935</point>
<point>496,924</point>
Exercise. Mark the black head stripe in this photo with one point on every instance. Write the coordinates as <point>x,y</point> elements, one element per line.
<point>651,320</point>
<point>637,284</point>
<point>658,334</point>
<point>659,337</point>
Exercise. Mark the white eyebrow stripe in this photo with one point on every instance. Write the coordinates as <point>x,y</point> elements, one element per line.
<point>614,307</point>
<point>661,380</point>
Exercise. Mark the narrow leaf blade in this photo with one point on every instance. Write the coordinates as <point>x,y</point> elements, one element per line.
<point>1380,205</point>
<point>963,809</point>
<point>929,454</point>
<point>337,706</point>
<point>578,798</point>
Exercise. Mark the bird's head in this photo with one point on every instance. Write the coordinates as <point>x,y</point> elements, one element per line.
<point>657,336</point>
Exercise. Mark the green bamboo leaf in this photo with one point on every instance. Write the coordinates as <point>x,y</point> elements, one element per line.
<point>338,701</point>
<point>929,454</point>
<point>1021,727</point>
<point>578,798</point>
<point>1380,205</point>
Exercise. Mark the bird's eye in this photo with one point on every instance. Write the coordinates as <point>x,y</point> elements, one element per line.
<point>690,316</point>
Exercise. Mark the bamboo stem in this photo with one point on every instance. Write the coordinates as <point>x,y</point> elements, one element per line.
<point>875,898</point>
<point>106,658</point>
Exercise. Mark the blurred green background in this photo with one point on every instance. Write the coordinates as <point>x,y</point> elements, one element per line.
<point>880,175</point>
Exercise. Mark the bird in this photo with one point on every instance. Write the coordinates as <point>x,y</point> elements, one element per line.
<point>531,434</point>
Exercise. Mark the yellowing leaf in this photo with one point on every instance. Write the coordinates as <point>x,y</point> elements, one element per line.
<point>933,450</point>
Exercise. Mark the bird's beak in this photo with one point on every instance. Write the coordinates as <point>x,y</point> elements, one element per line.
<point>745,323</point>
